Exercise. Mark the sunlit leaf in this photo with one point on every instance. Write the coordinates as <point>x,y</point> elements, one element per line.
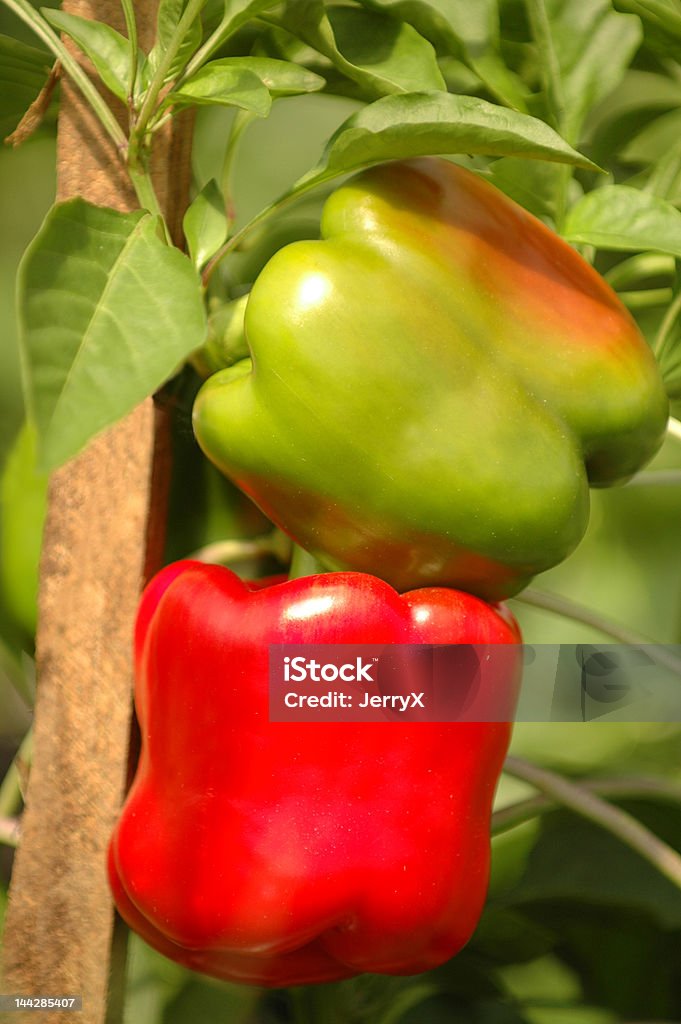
<point>280,77</point>
<point>419,124</point>
<point>108,50</point>
<point>107,313</point>
<point>205,224</point>
<point>661,24</point>
<point>225,85</point>
<point>381,53</point>
<point>583,48</point>
<point>622,218</point>
<point>168,18</point>
<point>470,31</point>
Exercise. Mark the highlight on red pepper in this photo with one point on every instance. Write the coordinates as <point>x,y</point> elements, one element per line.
<point>433,386</point>
<point>283,853</point>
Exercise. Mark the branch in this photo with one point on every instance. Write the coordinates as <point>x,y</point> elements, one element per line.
<point>616,821</point>
<point>518,813</point>
<point>579,613</point>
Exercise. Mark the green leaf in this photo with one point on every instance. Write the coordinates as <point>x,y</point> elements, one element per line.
<point>654,141</point>
<point>622,218</point>
<point>229,86</point>
<point>280,77</point>
<point>234,15</point>
<point>506,936</point>
<point>463,29</point>
<point>665,177</point>
<point>205,224</point>
<point>529,182</point>
<point>23,72</point>
<point>238,12</point>
<point>474,25</point>
<point>626,962</point>
<point>639,97</point>
<point>167,20</point>
<point>107,312</point>
<point>584,48</point>
<point>661,24</point>
<point>108,50</point>
<point>667,349</point>
<point>578,861</point>
<point>378,52</point>
<point>501,81</point>
<point>670,366</point>
<point>420,124</point>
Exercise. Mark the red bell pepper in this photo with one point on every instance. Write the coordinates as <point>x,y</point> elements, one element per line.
<point>289,853</point>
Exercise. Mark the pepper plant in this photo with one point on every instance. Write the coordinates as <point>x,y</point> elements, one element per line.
<point>412,360</point>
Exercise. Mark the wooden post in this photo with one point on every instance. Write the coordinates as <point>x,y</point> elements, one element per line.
<point>103,537</point>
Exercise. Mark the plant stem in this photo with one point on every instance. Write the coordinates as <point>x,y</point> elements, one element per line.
<point>138,153</point>
<point>131,26</point>
<point>550,68</point>
<point>616,821</point>
<point>242,119</point>
<point>645,298</point>
<point>571,610</point>
<point>525,810</point>
<point>217,37</point>
<point>667,323</point>
<point>553,87</point>
<point>32,17</point>
<point>203,53</point>
<point>638,267</point>
<point>267,211</point>
<point>157,82</point>
<point>146,194</point>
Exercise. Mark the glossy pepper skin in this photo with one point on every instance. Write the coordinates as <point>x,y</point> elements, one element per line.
<point>288,853</point>
<point>434,385</point>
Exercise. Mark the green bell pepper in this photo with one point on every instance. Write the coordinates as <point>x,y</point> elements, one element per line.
<point>433,386</point>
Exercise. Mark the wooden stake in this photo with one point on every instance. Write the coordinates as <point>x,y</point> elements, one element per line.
<point>103,537</point>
